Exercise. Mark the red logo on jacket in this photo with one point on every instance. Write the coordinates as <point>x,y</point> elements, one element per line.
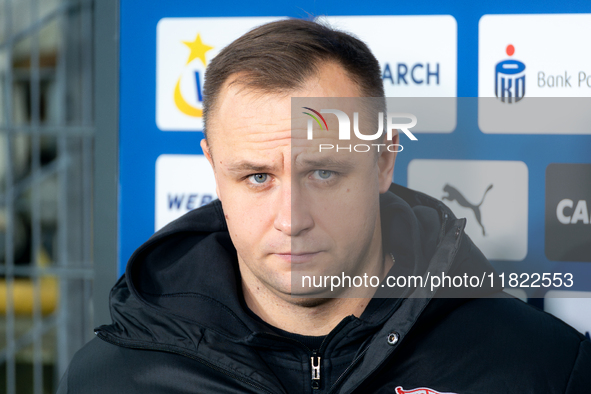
<point>420,390</point>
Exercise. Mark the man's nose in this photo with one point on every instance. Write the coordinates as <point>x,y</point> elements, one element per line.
<point>293,217</point>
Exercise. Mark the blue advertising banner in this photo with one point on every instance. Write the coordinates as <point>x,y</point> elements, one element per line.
<point>427,49</point>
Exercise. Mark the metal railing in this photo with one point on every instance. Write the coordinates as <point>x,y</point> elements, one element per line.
<point>46,182</point>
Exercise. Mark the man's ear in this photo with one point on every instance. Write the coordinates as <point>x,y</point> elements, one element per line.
<point>386,164</point>
<point>205,148</point>
<point>207,153</point>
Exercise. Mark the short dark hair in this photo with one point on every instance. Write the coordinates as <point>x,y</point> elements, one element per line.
<point>280,56</point>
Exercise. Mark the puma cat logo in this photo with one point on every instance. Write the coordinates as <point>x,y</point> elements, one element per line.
<point>454,194</point>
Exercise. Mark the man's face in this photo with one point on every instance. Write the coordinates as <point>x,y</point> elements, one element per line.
<point>287,205</point>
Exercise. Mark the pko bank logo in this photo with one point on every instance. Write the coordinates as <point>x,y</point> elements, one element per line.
<point>345,130</point>
<point>510,78</point>
<point>184,49</point>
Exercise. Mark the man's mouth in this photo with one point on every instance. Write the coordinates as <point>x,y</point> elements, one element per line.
<point>297,258</point>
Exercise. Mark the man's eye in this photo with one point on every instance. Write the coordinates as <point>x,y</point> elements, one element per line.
<point>323,174</point>
<point>258,178</point>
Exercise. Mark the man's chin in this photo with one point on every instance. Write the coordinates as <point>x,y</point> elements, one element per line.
<point>306,297</point>
<point>308,302</point>
<point>309,295</point>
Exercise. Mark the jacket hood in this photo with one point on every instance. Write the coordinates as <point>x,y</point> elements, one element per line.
<point>182,287</point>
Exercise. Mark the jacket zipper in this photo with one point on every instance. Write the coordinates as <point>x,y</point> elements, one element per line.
<point>199,359</point>
<point>315,364</point>
<point>315,358</point>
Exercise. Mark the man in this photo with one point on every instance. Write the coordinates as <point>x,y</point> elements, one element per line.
<point>209,304</point>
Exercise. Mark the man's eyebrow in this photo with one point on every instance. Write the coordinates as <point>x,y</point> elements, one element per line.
<point>324,162</point>
<point>246,166</point>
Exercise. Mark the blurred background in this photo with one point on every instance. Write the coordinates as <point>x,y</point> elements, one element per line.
<point>46,184</point>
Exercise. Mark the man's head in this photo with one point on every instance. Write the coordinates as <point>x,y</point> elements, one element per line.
<point>281,56</point>
<point>285,204</point>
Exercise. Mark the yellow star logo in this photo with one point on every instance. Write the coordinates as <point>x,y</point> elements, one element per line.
<point>198,49</point>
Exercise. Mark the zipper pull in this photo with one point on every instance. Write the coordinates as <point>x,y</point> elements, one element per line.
<point>315,362</point>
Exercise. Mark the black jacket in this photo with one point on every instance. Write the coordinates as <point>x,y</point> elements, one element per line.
<point>180,324</point>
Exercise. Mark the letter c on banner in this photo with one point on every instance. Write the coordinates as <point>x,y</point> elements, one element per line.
<point>562,218</point>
